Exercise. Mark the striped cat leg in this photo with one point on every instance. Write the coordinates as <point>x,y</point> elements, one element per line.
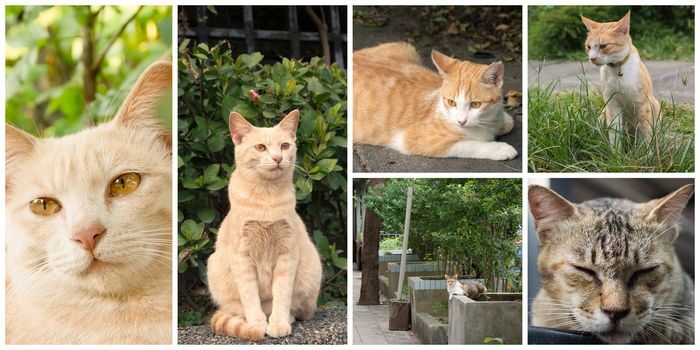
<point>481,150</point>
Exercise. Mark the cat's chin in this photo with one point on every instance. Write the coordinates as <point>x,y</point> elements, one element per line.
<point>615,337</point>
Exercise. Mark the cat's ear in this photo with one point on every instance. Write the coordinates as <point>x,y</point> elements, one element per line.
<point>493,75</point>
<point>239,127</point>
<point>668,210</point>
<point>442,62</point>
<point>290,122</point>
<point>447,277</point>
<point>140,110</point>
<point>623,25</point>
<point>18,144</point>
<point>590,24</point>
<point>548,208</point>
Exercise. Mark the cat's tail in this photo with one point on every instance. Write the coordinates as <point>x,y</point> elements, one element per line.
<point>235,326</point>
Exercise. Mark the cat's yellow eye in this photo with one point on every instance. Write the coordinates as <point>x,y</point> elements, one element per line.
<point>603,46</point>
<point>475,104</point>
<point>260,147</point>
<point>124,184</point>
<point>450,102</point>
<point>285,146</point>
<point>45,206</point>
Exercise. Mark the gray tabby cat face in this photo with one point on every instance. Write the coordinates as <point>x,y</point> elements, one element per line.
<point>609,264</point>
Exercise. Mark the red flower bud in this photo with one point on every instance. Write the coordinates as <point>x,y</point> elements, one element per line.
<point>253,95</point>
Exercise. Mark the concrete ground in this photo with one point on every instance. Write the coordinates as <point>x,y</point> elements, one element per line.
<point>667,77</point>
<point>368,158</point>
<point>327,327</point>
<point>371,322</point>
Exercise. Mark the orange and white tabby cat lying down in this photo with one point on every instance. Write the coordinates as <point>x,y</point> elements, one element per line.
<point>265,272</point>
<point>89,228</point>
<point>625,79</point>
<point>456,112</point>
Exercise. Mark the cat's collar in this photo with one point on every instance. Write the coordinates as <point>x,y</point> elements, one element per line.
<point>620,63</point>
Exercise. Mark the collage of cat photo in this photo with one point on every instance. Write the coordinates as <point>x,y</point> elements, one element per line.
<point>349,174</point>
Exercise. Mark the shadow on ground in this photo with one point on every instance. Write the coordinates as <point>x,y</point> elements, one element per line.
<point>404,23</point>
<point>328,327</point>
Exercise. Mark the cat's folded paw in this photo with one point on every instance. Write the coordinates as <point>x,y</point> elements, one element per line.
<point>277,330</point>
<point>503,151</point>
<point>257,330</point>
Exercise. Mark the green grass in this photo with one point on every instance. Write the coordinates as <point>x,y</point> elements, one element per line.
<point>565,135</point>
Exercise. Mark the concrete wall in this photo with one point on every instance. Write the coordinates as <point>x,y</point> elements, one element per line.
<point>470,322</point>
<point>384,260</point>
<point>424,293</point>
<point>428,329</point>
<point>412,269</point>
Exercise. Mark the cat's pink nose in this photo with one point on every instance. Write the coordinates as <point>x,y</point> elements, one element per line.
<point>277,159</point>
<point>462,122</point>
<point>87,236</point>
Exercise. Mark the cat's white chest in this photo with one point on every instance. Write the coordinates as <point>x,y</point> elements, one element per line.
<point>625,85</point>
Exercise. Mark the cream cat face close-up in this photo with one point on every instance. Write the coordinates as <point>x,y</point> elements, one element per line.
<point>265,152</point>
<point>609,265</point>
<point>607,42</point>
<point>469,90</point>
<point>94,208</point>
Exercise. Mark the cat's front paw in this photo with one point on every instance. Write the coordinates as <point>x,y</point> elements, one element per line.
<point>277,330</point>
<point>503,151</point>
<point>257,329</point>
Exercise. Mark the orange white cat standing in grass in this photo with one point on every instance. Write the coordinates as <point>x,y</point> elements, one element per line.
<point>627,88</point>
<point>456,112</point>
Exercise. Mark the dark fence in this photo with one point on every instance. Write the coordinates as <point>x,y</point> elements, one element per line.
<point>261,28</point>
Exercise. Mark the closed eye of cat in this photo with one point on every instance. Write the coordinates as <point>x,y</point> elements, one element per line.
<point>45,206</point>
<point>639,273</point>
<point>124,184</point>
<point>588,272</point>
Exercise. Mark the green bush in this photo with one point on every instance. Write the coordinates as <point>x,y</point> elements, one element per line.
<point>659,32</point>
<point>391,243</point>
<point>211,85</point>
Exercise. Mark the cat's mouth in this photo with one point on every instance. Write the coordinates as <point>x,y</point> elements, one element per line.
<point>615,336</point>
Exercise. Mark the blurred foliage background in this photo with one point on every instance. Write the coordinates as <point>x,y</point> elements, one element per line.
<point>212,82</point>
<point>68,67</point>
<point>658,32</point>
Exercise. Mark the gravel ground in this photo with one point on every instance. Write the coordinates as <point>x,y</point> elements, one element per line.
<point>328,327</point>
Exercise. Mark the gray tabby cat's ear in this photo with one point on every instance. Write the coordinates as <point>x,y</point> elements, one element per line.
<point>493,76</point>
<point>18,144</point>
<point>290,122</point>
<point>548,208</point>
<point>147,98</point>
<point>668,210</point>
<point>590,24</point>
<point>442,62</point>
<point>239,127</point>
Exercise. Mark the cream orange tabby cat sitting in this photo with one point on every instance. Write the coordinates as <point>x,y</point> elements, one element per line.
<point>265,272</point>
<point>456,112</point>
<point>89,228</point>
<point>625,80</point>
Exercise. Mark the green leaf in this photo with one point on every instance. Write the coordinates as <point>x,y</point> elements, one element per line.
<point>206,214</point>
<point>211,172</point>
<point>216,143</point>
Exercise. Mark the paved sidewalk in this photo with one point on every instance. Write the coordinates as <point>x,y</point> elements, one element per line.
<point>371,322</point>
<point>667,77</point>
